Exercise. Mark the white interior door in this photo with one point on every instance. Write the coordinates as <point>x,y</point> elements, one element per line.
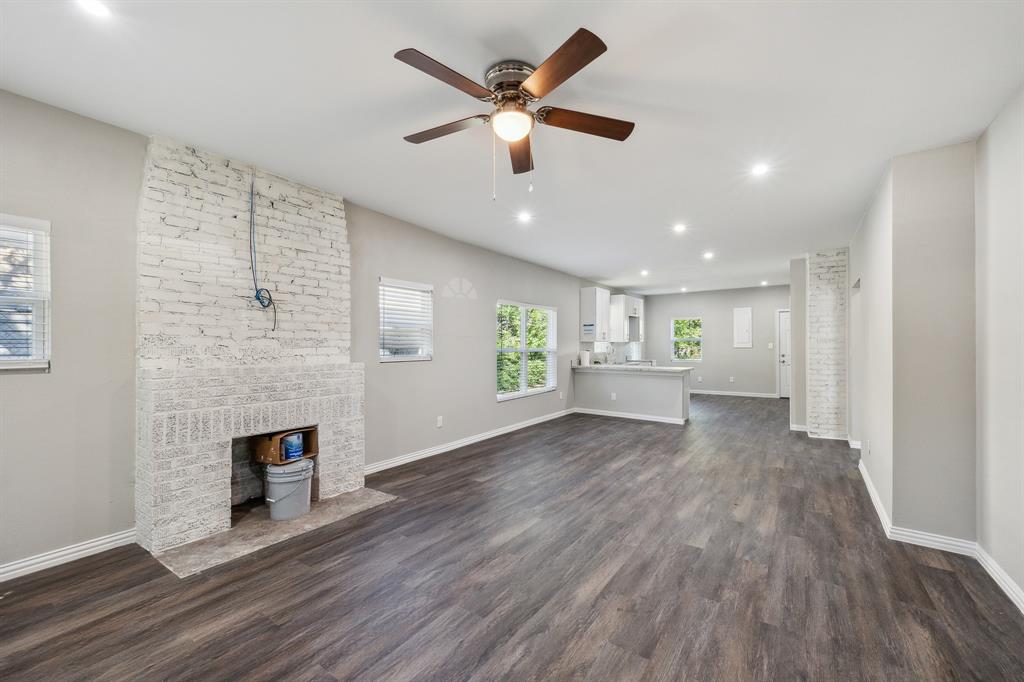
<point>785,363</point>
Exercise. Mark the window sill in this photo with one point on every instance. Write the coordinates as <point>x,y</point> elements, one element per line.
<point>23,365</point>
<point>416,358</point>
<point>680,362</point>
<point>502,397</point>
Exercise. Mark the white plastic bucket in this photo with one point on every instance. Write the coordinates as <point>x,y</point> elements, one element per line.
<point>288,489</point>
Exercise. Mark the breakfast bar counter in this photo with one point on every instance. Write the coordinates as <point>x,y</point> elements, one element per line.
<point>633,391</point>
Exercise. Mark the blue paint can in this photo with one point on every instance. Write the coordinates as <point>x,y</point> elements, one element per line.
<point>291,446</point>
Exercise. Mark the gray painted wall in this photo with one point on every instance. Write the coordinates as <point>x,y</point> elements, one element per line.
<point>871,332</point>
<point>912,391</point>
<point>933,343</point>
<point>754,369</point>
<point>798,349</point>
<point>1000,338</point>
<point>67,437</point>
<point>404,399</point>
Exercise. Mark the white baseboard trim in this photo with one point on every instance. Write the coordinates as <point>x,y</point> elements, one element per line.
<point>468,440</point>
<point>821,436</point>
<point>945,543</point>
<point>797,427</point>
<point>739,394</point>
<point>630,415</point>
<point>855,444</point>
<point>65,554</point>
<point>1011,588</point>
<point>876,500</point>
<point>476,438</point>
<point>925,539</point>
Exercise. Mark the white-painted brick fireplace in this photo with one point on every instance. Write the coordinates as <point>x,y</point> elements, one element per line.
<point>211,368</point>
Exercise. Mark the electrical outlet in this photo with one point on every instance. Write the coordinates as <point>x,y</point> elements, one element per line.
<point>732,380</point>
<point>613,396</point>
<point>440,421</point>
<point>561,396</point>
<point>771,345</point>
<point>700,380</point>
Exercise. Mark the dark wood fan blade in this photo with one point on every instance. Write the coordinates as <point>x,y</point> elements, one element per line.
<point>522,155</point>
<point>447,129</point>
<point>418,60</point>
<point>585,123</point>
<point>579,50</point>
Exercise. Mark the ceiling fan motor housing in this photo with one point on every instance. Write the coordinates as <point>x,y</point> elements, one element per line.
<point>504,78</point>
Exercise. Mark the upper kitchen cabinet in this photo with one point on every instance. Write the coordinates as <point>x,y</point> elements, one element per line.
<point>595,305</point>
<point>640,318</point>
<point>626,318</point>
<point>617,328</point>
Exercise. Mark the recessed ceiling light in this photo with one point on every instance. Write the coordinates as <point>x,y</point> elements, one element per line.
<point>644,273</point>
<point>95,8</point>
<point>524,217</point>
<point>679,227</point>
<point>759,169</point>
<point>708,255</point>
<point>683,289</point>
<point>763,283</point>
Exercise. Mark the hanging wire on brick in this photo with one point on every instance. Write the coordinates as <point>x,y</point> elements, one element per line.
<point>262,294</point>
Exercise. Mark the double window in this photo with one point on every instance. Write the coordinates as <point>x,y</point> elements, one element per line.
<point>24,293</point>
<point>687,335</point>
<point>406,321</point>
<point>527,349</point>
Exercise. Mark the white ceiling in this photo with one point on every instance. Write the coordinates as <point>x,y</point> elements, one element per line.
<point>825,92</point>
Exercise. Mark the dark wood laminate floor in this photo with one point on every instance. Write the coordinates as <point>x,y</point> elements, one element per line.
<point>583,548</point>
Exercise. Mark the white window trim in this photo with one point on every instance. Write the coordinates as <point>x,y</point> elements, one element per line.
<point>673,339</point>
<point>6,365</point>
<point>502,397</point>
<point>24,223</point>
<point>388,281</point>
<point>405,284</point>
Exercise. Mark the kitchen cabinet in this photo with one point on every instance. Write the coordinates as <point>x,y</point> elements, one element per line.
<point>618,323</point>
<point>640,317</point>
<point>595,304</point>
<point>626,318</point>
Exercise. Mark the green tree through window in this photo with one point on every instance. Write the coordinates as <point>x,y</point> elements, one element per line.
<point>526,349</point>
<point>687,339</point>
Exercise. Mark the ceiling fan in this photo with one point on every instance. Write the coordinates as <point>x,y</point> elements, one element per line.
<point>514,85</point>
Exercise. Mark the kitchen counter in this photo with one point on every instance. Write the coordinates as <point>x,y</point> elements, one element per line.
<point>633,368</point>
<point>633,391</point>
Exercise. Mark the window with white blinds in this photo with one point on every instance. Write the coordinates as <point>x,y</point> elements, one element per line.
<point>24,292</point>
<point>527,337</point>
<point>406,320</point>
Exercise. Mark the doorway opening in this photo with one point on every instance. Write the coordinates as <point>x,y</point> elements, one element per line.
<point>783,346</point>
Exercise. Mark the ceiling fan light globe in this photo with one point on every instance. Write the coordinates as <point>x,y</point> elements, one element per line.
<point>512,125</point>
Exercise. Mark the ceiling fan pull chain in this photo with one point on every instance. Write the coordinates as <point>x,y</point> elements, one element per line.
<point>531,162</point>
<point>494,166</point>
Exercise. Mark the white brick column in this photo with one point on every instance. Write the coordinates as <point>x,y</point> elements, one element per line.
<point>826,343</point>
